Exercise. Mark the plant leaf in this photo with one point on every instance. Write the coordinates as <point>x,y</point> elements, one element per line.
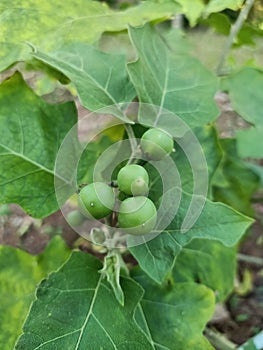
<point>216,222</point>
<point>246,100</point>
<point>220,22</point>
<point>258,170</point>
<point>209,263</point>
<point>90,155</point>
<point>20,272</point>
<point>220,5</point>
<point>30,136</point>
<point>100,78</point>
<point>178,83</point>
<point>169,313</point>
<point>113,264</point>
<point>250,143</point>
<point>210,146</point>
<point>192,10</point>
<point>51,25</point>
<point>81,312</point>
<point>242,181</point>
<point>254,343</point>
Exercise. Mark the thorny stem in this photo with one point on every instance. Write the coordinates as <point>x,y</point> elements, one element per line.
<point>235,28</point>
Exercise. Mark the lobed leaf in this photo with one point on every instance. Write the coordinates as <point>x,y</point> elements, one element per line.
<point>207,262</point>
<point>100,78</point>
<point>77,309</point>
<point>168,313</point>
<point>217,222</point>
<point>242,182</point>
<point>30,136</point>
<point>50,25</point>
<point>246,99</point>
<point>210,146</point>
<point>222,24</point>
<point>178,83</point>
<point>250,143</point>
<point>220,5</point>
<point>192,10</point>
<point>20,272</point>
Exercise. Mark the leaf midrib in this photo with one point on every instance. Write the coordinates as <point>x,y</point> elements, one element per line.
<point>84,324</point>
<point>80,72</point>
<point>89,312</point>
<point>41,167</point>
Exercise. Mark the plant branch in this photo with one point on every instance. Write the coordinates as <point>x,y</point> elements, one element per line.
<point>250,259</point>
<point>133,142</point>
<point>219,340</point>
<point>235,28</point>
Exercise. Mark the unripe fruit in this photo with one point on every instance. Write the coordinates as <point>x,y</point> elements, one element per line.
<point>156,144</point>
<point>137,215</point>
<point>75,218</point>
<point>96,200</point>
<point>133,179</point>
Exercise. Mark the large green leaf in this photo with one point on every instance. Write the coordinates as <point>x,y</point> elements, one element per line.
<point>30,135</point>
<point>219,22</point>
<point>20,272</point>
<point>77,309</point>
<point>222,24</point>
<point>209,263</point>
<point>242,182</point>
<point>216,222</point>
<point>247,99</point>
<point>250,143</point>
<point>220,5</point>
<point>178,83</point>
<point>89,156</point>
<point>50,25</point>
<point>192,9</point>
<point>174,315</point>
<point>100,78</point>
<point>209,143</point>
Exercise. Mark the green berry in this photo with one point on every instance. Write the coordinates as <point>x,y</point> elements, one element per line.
<point>137,215</point>
<point>156,144</point>
<point>96,200</point>
<point>133,179</point>
<point>75,218</point>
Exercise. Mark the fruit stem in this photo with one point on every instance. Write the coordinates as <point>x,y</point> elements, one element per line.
<point>133,142</point>
<point>235,28</point>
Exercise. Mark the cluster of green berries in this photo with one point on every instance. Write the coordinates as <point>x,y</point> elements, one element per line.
<point>137,214</point>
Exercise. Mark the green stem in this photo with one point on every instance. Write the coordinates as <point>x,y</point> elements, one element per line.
<point>235,28</point>
<point>133,142</point>
<point>250,259</point>
<point>218,340</point>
